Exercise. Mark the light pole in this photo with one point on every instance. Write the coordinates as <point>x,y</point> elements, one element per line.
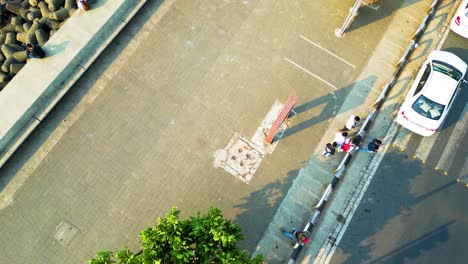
<point>353,12</point>
<point>339,32</point>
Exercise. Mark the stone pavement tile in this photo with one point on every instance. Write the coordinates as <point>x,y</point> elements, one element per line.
<point>147,140</point>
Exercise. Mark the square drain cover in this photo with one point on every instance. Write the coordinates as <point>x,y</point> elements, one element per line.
<point>241,158</point>
<point>65,232</point>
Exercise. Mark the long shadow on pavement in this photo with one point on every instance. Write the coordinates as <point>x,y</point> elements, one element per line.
<point>417,246</point>
<point>261,205</point>
<point>329,111</point>
<point>37,138</point>
<point>384,201</point>
<point>369,15</point>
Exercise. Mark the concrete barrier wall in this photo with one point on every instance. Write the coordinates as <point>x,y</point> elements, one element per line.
<point>37,88</point>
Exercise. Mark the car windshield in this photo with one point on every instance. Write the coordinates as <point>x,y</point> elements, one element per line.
<point>428,108</point>
<point>447,69</point>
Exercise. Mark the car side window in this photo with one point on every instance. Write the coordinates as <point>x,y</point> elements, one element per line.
<point>423,79</point>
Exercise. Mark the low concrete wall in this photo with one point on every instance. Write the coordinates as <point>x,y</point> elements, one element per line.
<point>37,88</point>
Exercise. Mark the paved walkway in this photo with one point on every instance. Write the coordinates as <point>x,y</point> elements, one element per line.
<point>137,134</point>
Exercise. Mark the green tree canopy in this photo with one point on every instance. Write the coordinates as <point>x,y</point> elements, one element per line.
<point>208,238</point>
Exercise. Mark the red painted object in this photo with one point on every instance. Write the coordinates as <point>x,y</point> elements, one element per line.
<point>280,119</point>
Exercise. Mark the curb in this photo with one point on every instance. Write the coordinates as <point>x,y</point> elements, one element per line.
<point>32,101</point>
<point>329,246</point>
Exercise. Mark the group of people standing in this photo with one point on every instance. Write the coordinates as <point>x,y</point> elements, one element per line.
<point>344,143</point>
<point>341,143</point>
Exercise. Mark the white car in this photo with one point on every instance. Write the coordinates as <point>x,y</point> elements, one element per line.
<point>432,93</point>
<point>459,23</point>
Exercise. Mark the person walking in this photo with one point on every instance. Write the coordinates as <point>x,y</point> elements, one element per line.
<point>340,138</point>
<point>296,236</point>
<point>330,149</point>
<point>373,146</point>
<point>351,123</point>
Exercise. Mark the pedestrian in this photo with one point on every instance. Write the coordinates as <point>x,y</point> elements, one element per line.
<point>373,146</point>
<point>340,138</point>
<point>83,4</point>
<point>351,123</point>
<point>301,238</point>
<point>330,149</point>
<point>349,145</point>
<point>35,51</point>
<point>296,236</point>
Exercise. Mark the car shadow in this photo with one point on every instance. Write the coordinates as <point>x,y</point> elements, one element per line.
<point>458,110</point>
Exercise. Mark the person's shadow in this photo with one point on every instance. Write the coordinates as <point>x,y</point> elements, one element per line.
<point>94,4</point>
<point>53,49</point>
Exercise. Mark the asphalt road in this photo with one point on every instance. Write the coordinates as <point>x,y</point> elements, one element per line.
<point>414,210</point>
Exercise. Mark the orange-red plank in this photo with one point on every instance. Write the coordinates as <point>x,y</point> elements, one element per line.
<point>281,117</point>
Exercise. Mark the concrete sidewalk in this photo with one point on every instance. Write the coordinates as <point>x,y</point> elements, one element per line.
<point>27,99</point>
<point>358,175</point>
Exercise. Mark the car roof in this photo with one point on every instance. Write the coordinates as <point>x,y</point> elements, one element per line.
<point>439,87</point>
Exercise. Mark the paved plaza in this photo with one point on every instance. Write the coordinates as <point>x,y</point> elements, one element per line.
<point>138,132</point>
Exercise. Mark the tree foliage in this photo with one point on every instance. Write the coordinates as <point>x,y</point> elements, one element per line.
<point>207,238</point>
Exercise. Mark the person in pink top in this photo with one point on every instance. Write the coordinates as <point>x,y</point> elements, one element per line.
<point>297,236</point>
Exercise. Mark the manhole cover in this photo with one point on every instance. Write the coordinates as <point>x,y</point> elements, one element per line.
<point>241,158</point>
<point>65,232</point>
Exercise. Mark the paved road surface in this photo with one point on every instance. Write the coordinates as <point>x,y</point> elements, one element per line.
<point>412,213</point>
